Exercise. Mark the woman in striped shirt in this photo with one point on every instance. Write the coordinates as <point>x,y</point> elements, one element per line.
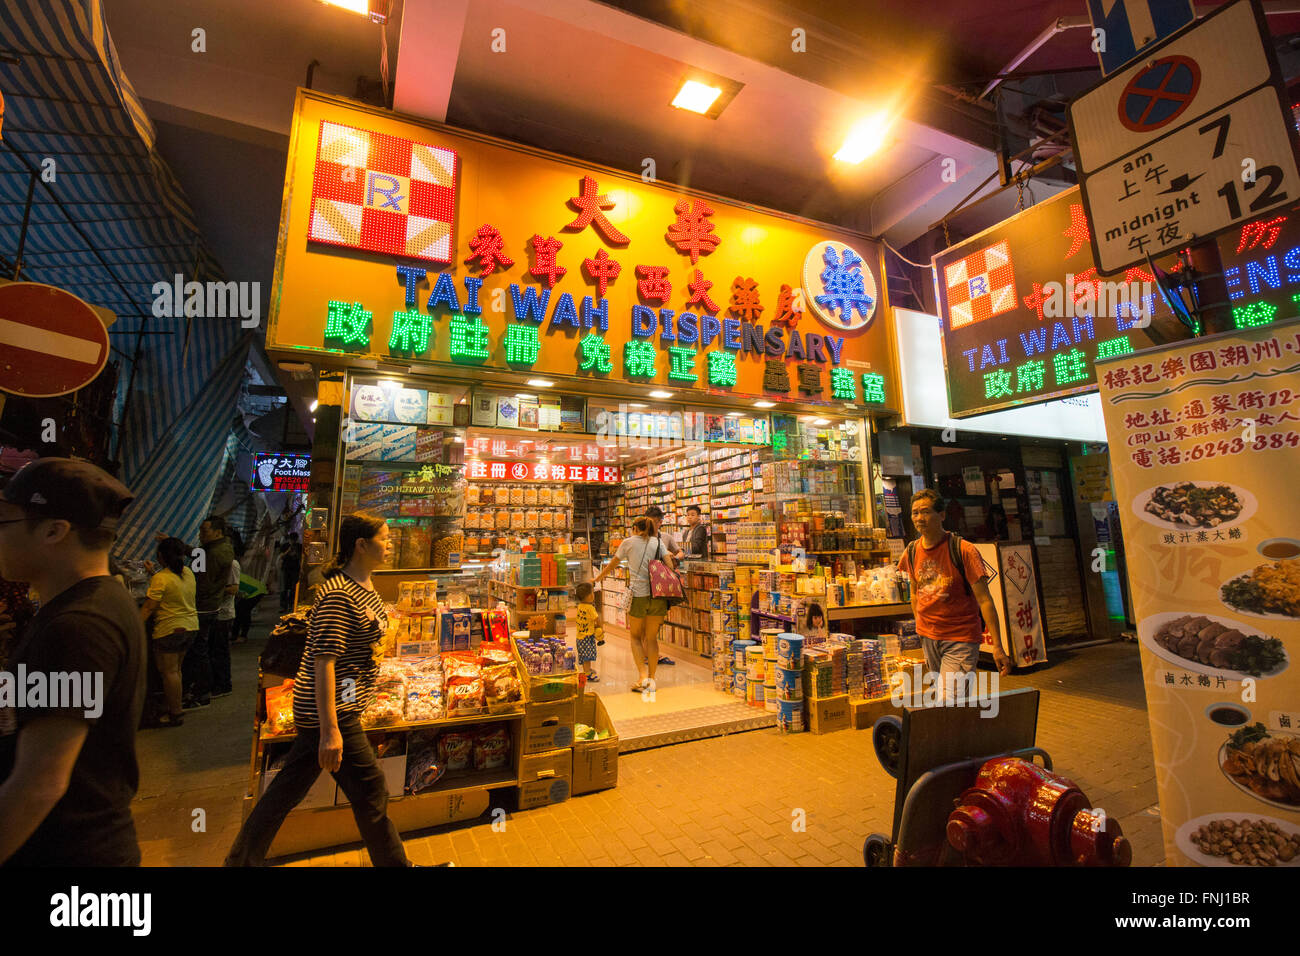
<point>334,685</point>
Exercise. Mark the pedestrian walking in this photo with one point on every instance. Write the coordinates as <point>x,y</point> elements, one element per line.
<point>950,594</point>
<point>68,766</point>
<point>334,685</point>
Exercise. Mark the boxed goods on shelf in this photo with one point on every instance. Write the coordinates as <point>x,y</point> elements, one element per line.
<point>545,778</point>
<point>548,725</point>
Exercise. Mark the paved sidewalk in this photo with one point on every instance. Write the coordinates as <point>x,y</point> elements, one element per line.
<point>724,801</point>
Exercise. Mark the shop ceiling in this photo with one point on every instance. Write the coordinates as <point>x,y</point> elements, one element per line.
<point>594,80</point>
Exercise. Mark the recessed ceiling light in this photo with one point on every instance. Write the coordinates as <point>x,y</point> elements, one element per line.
<point>523,395</point>
<point>458,439</point>
<point>539,383</point>
<point>625,456</point>
<point>864,139</point>
<point>733,414</point>
<point>821,421</point>
<point>764,404</point>
<point>696,96</point>
<point>372,9</point>
<point>637,405</point>
<point>659,393</point>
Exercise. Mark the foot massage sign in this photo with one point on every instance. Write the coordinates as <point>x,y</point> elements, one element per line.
<point>1204,437</point>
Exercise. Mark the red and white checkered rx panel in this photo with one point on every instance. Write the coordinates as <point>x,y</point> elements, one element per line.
<point>383,193</point>
<point>980,286</point>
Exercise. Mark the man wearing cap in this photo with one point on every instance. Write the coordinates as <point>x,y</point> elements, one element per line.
<point>71,696</point>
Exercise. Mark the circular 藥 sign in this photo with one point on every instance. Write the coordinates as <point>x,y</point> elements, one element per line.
<point>519,471</point>
<point>51,342</point>
<point>1159,94</point>
<point>839,286</point>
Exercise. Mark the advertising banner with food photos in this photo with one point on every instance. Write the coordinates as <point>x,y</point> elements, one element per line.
<point>1204,444</point>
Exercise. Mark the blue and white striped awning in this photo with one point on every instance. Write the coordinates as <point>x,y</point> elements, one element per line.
<point>108,221</point>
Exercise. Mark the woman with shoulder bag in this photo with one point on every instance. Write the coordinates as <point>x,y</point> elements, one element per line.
<point>645,614</point>
<point>334,685</point>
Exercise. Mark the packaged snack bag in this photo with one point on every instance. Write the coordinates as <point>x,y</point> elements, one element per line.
<point>530,495</point>
<point>423,770</point>
<point>279,708</point>
<point>491,748</point>
<point>460,667</point>
<point>502,687</point>
<point>424,699</point>
<point>492,654</point>
<point>388,705</point>
<point>544,495</point>
<point>465,699</point>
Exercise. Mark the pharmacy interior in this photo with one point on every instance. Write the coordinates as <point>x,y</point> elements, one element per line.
<point>517,355</point>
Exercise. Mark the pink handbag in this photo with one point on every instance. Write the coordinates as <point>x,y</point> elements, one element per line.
<point>665,582</point>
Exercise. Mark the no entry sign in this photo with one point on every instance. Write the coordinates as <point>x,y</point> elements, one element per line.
<point>51,342</point>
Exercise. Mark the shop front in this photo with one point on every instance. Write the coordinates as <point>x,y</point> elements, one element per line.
<point>519,355</point>
<point>1029,485</point>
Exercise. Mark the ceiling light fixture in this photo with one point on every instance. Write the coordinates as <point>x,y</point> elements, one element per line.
<point>659,393</point>
<point>733,414</point>
<point>637,405</point>
<point>705,93</point>
<point>696,96</point>
<point>765,404</point>
<point>523,395</point>
<point>376,10</point>
<point>821,421</point>
<point>314,403</point>
<point>866,137</point>
<point>539,383</point>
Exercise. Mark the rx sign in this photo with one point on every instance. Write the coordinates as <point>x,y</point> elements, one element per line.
<point>1123,29</point>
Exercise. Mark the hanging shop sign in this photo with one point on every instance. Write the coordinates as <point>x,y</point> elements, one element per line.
<point>407,241</point>
<point>480,469</point>
<point>1192,141</point>
<point>280,472</point>
<point>1025,314</point>
<point>1204,440</point>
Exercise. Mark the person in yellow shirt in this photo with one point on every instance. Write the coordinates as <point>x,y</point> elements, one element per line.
<point>589,629</point>
<point>175,621</point>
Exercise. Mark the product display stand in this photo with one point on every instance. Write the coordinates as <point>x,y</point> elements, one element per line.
<point>324,818</point>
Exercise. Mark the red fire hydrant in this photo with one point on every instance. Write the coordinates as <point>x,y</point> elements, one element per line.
<point>1018,814</point>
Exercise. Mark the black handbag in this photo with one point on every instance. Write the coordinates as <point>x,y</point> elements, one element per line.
<point>285,646</point>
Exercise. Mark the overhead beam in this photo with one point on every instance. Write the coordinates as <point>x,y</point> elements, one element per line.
<point>428,51</point>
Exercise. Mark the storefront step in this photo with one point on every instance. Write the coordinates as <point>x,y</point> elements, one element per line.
<point>677,727</point>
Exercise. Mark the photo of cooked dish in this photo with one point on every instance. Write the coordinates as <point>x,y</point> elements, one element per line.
<point>1217,646</point>
<point>1271,589</point>
<point>1229,839</point>
<point>1264,763</point>
<point>1195,505</point>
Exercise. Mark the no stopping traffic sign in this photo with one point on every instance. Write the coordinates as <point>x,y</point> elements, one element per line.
<point>51,343</point>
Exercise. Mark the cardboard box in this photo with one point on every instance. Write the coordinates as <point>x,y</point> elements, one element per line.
<point>595,762</point>
<point>394,769</point>
<point>548,725</point>
<point>321,793</point>
<point>864,713</point>
<point>545,778</point>
<point>829,714</point>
